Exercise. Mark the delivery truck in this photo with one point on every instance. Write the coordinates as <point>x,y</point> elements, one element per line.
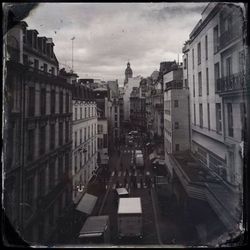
<point>130,217</point>
<point>96,230</point>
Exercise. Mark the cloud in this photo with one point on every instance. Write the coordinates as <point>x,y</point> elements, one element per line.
<point>110,34</point>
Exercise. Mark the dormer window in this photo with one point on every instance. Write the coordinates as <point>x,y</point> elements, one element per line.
<point>48,49</point>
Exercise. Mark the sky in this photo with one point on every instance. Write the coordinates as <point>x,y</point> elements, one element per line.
<point>107,35</point>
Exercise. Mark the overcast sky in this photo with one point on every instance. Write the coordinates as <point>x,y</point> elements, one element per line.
<point>107,35</point>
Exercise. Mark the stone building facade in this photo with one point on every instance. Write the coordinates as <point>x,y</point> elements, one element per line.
<point>38,132</point>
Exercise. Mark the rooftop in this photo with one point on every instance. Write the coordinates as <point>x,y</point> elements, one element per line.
<point>130,206</point>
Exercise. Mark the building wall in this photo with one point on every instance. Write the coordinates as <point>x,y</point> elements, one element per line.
<point>132,82</point>
<point>44,169</point>
<point>84,153</point>
<point>211,145</point>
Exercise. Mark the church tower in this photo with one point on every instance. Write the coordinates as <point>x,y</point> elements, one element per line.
<point>128,73</point>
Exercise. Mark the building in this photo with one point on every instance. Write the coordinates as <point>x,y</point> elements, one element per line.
<point>216,76</point>
<point>37,160</point>
<point>138,107</point>
<point>114,111</point>
<point>212,172</point>
<point>176,115</point>
<point>84,134</point>
<point>101,98</point>
<point>132,82</point>
<point>128,73</point>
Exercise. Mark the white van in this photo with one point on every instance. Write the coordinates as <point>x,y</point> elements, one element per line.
<point>130,217</point>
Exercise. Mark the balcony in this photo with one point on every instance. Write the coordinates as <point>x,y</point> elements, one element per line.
<point>231,35</point>
<point>231,84</point>
<point>174,85</point>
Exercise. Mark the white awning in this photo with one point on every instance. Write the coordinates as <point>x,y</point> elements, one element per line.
<point>87,203</point>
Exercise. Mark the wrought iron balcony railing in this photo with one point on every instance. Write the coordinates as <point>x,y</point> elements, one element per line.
<point>235,82</point>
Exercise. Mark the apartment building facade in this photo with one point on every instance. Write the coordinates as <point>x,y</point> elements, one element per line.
<point>40,186</point>
<point>84,135</point>
<point>215,74</point>
<point>176,115</point>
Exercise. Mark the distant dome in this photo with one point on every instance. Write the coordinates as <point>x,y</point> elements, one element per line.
<point>128,70</point>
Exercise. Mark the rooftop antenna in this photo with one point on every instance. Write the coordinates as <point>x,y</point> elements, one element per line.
<point>72,39</point>
<point>178,58</point>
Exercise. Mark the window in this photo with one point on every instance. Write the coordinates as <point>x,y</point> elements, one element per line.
<point>67,102</point>
<point>31,101</point>
<point>45,67</point>
<point>67,132</point>
<point>176,125</point>
<point>42,138</point>
<point>60,133</point>
<point>60,167</point>
<point>52,70</point>
<point>36,64</point>
<point>185,63</point>
<point>200,84</point>
<point>80,112</point>
<point>25,59</point>
<point>207,81</point>
<point>176,103</point>
<point>230,119</point>
<point>85,113</point>
<point>88,132</point>
<point>199,53</point>
<point>243,117</point>
<point>75,163</point>
<point>100,129</point>
<point>105,140</point>
<point>52,174</point>
<point>41,182</point>
<point>217,76</point>
<point>75,139</point>
<point>85,134</point>
<point>80,159</point>
<point>193,57</point>
<point>194,115</point>
<point>116,118</point>
<point>177,147</point>
<point>216,39</point>
<point>30,146</point>
<point>61,102</point>
<point>52,101</point>
<point>75,113</point>
<point>208,116</point>
<point>115,109</point>
<point>193,86</point>
<point>52,136</point>
<point>218,118</point>
<point>186,83</point>
<point>206,47</point>
<point>43,101</point>
<point>80,136</point>
<point>201,115</point>
<point>241,61</point>
<point>228,66</point>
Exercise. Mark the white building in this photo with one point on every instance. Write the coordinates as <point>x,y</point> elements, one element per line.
<point>132,82</point>
<point>84,134</point>
<point>214,55</point>
<point>176,118</point>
